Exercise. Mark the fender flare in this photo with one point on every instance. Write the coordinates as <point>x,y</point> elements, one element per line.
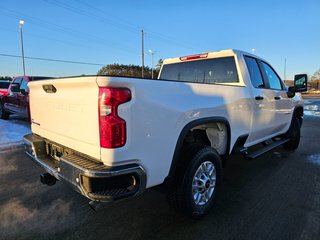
<point>184,132</point>
<point>298,111</point>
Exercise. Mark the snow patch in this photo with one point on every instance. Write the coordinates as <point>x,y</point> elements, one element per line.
<point>12,131</point>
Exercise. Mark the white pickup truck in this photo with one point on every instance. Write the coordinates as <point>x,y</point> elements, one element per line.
<point>113,137</point>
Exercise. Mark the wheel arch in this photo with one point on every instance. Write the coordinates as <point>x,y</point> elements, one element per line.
<point>298,112</point>
<point>185,131</point>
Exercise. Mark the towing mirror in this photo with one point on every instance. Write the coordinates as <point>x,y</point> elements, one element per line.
<point>291,93</point>
<point>300,83</point>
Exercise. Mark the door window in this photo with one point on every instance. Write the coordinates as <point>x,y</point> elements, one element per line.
<point>254,71</point>
<point>15,86</point>
<point>272,76</point>
<point>24,85</point>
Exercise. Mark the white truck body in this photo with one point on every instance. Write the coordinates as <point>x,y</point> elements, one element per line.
<point>157,114</point>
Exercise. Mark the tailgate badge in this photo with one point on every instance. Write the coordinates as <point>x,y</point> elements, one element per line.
<point>49,88</point>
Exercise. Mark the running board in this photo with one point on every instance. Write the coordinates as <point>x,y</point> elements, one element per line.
<point>265,149</point>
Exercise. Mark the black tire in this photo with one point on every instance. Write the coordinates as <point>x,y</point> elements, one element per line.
<point>293,134</point>
<point>3,114</point>
<point>193,197</point>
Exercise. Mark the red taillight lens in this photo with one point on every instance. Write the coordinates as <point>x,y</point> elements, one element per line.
<point>112,127</point>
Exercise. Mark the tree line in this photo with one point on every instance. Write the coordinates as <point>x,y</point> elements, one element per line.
<point>314,82</point>
<point>130,70</point>
<point>5,78</point>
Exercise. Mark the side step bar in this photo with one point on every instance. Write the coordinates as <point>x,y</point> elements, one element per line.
<point>261,151</point>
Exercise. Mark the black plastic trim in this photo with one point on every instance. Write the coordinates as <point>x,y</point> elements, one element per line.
<point>240,142</point>
<point>183,135</point>
<point>297,109</point>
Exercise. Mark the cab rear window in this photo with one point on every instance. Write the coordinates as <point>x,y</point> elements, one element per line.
<point>210,71</point>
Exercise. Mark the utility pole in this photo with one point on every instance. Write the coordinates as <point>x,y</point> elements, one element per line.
<point>21,22</point>
<point>142,51</point>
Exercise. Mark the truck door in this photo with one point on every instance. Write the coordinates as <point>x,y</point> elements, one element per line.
<point>267,103</point>
<point>12,99</point>
<point>23,98</point>
<point>281,103</point>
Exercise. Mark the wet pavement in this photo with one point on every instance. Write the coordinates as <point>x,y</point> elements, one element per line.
<point>274,197</point>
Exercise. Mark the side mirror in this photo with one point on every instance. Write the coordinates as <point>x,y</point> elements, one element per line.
<point>291,93</point>
<point>300,83</point>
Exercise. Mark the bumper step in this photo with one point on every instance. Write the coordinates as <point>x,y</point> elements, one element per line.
<point>93,179</point>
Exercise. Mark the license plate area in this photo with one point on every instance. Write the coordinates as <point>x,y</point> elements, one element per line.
<point>56,151</point>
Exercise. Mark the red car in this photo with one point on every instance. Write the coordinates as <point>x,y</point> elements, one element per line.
<point>4,86</point>
<point>16,101</point>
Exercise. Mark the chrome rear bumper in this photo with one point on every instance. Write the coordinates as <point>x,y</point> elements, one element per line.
<point>92,179</point>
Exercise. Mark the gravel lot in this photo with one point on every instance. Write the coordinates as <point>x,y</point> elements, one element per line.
<point>274,197</point>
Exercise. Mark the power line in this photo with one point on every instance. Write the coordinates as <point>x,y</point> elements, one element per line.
<point>120,23</point>
<point>65,30</point>
<point>104,18</point>
<point>52,60</point>
<point>48,38</point>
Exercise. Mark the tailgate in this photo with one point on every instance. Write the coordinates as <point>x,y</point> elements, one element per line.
<point>65,111</point>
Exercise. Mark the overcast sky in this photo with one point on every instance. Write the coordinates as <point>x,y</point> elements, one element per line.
<point>104,32</point>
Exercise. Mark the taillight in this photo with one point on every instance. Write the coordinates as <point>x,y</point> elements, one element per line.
<point>112,127</point>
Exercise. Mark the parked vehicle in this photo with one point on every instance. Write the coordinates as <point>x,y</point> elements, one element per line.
<point>113,137</point>
<point>4,86</point>
<point>16,101</point>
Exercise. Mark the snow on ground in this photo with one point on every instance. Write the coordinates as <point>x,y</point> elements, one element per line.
<point>12,132</point>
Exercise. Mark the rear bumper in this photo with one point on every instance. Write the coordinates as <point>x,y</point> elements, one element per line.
<point>92,179</point>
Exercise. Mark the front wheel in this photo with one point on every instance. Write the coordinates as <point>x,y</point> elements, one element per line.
<point>293,134</point>
<point>197,185</point>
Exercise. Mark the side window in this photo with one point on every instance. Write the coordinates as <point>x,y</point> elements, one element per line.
<point>15,86</point>
<point>274,80</point>
<point>24,85</point>
<point>254,71</point>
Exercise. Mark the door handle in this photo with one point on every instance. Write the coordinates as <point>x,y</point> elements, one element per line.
<point>277,98</point>
<point>259,98</point>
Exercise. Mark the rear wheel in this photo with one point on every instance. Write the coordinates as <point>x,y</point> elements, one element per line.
<point>197,181</point>
<point>3,113</point>
<point>293,134</point>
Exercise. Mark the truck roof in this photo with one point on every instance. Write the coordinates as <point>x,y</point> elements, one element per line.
<point>220,53</point>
